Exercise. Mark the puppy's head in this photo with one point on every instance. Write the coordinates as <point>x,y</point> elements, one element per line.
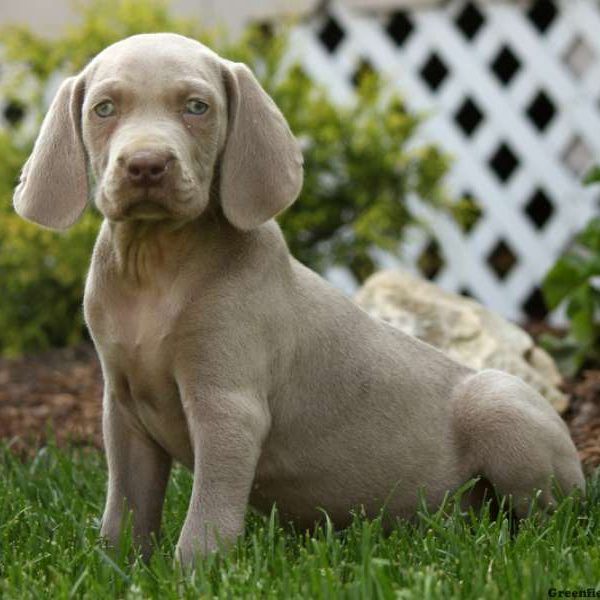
<point>162,123</point>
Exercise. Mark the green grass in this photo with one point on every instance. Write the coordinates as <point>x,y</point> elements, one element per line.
<point>49,548</point>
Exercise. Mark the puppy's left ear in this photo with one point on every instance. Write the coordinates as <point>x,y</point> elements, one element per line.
<point>261,172</point>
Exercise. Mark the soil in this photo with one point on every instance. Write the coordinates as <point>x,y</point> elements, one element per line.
<point>583,416</point>
<point>54,394</point>
<point>59,394</point>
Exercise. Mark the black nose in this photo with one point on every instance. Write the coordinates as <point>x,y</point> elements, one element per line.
<point>147,167</point>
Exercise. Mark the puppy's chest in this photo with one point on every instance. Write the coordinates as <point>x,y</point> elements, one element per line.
<point>137,342</point>
<point>135,335</point>
<point>136,328</point>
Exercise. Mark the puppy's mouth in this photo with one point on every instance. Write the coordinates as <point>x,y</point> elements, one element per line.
<point>147,210</point>
<point>143,206</point>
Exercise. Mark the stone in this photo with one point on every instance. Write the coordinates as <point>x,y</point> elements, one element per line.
<point>462,328</point>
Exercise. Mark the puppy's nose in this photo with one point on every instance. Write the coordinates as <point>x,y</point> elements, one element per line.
<point>147,167</point>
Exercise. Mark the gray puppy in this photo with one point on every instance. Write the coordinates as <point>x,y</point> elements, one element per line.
<point>223,352</point>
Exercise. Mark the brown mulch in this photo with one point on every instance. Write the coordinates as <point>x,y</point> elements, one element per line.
<point>60,391</point>
<point>583,416</point>
<point>56,393</point>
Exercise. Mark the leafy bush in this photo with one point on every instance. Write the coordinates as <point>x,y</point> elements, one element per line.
<point>359,168</point>
<point>575,280</point>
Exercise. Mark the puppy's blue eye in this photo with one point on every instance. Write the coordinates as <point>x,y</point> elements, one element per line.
<point>195,107</point>
<point>105,109</point>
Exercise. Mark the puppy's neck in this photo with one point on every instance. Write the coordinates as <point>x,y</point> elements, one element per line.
<point>148,253</point>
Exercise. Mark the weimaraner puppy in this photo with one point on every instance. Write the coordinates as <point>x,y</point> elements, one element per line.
<point>223,352</point>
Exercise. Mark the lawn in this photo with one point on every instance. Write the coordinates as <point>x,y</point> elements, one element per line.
<point>49,548</point>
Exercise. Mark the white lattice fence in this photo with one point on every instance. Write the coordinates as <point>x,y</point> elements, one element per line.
<point>513,93</point>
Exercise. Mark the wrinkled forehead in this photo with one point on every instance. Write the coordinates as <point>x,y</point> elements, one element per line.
<point>152,58</point>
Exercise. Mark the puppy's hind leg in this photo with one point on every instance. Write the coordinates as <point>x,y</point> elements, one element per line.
<point>507,433</point>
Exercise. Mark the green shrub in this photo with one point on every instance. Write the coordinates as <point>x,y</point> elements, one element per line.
<point>575,280</point>
<point>359,168</point>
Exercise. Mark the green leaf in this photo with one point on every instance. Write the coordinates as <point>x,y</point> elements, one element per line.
<point>590,236</point>
<point>565,351</point>
<point>593,176</point>
<point>581,312</point>
<point>568,273</point>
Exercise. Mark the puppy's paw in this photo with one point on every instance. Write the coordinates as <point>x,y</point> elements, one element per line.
<point>187,556</point>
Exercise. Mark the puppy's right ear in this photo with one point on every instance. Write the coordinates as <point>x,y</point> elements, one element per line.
<point>53,187</point>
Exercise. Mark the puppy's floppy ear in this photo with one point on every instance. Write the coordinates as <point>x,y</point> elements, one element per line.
<point>261,169</point>
<point>53,186</point>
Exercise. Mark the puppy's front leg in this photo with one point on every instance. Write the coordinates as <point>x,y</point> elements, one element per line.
<point>227,431</point>
<point>138,471</point>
